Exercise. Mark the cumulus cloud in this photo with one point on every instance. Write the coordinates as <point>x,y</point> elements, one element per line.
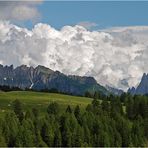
<point>87,24</point>
<point>19,10</point>
<point>117,57</point>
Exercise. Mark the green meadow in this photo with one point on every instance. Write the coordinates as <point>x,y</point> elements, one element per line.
<point>39,100</point>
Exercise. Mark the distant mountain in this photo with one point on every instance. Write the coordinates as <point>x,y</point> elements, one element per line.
<point>40,78</point>
<point>114,91</point>
<point>142,88</point>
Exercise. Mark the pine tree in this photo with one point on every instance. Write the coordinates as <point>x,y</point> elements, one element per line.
<point>68,109</point>
<point>87,136</point>
<point>138,132</point>
<point>38,140</point>
<point>105,106</point>
<point>57,138</point>
<point>130,108</point>
<point>116,107</point>
<point>53,108</point>
<point>77,113</point>
<point>47,134</point>
<point>103,139</point>
<point>29,115</point>
<point>117,139</point>
<point>26,135</point>
<point>89,108</point>
<point>143,107</point>
<point>66,135</point>
<point>96,107</point>
<point>10,129</point>
<point>79,136</point>
<point>18,109</point>
<point>124,130</point>
<point>65,131</point>
<point>2,138</point>
<point>146,127</point>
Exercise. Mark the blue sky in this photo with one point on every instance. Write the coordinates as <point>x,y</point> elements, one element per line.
<point>104,14</point>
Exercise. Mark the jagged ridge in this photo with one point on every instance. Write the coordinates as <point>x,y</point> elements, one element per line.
<point>142,88</point>
<point>44,78</point>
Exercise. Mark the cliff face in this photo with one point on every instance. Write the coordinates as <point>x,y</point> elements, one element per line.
<point>44,78</point>
<point>142,88</point>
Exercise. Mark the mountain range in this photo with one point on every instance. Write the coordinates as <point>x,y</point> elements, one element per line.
<point>43,78</point>
<point>40,78</point>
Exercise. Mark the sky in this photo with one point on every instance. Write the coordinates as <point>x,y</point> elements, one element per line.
<point>103,14</point>
<point>106,40</point>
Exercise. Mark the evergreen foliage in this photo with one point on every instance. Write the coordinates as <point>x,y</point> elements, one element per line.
<point>114,123</point>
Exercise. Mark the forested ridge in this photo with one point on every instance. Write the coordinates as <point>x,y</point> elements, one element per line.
<point>114,121</point>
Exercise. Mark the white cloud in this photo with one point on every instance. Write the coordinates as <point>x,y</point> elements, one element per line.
<point>87,24</point>
<point>117,57</point>
<point>19,10</point>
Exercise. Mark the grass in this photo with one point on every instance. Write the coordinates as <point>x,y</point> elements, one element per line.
<point>39,100</point>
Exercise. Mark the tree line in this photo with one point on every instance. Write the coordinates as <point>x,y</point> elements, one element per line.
<point>103,123</point>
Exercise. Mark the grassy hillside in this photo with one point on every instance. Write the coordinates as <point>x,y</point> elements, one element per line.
<point>39,100</point>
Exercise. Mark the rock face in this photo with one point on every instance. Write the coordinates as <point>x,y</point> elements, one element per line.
<point>44,78</point>
<point>132,90</point>
<point>142,88</point>
<point>114,91</point>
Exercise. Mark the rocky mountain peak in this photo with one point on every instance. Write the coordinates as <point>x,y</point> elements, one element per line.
<point>144,77</point>
<point>142,87</point>
<point>43,69</point>
<point>22,67</point>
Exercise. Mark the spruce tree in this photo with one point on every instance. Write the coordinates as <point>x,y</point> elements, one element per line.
<point>53,108</point>
<point>77,112</point>
<point>18,109</point>
<point>79,136</point>
<point>10,130</point>
<point>68,109</point>
<point>47,134</point>
<point>57,138</point>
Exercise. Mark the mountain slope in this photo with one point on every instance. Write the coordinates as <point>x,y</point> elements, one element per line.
<point>142,88</point>
<point>114,91</point>
<point>44,78</point>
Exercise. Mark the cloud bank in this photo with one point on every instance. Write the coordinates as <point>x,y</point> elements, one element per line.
<point>116,57</point>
